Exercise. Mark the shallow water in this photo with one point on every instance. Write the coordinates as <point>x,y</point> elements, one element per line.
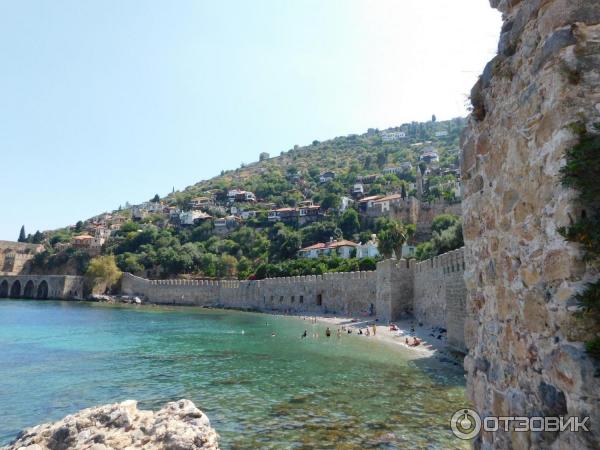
<point>259,391</point>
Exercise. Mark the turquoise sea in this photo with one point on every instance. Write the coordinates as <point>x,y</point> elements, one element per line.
<point>260,391</point>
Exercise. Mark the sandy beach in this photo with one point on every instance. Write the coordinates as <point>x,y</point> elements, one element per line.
<point>433,341</point>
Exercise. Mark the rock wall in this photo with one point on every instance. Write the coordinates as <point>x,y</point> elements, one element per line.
<point>526,353</point>
<point>179,425</point>
<point>334,293</point>
<point>433,291</point>
<point>15,257</point>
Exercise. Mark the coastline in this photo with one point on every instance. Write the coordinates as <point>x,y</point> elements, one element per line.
<point>430,347</point>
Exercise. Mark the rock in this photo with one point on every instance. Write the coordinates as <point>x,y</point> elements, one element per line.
<point>177,426</point>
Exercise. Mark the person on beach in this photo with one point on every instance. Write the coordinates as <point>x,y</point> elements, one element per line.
<point>349,330</point>
<point>360,331</point>
<point>367,333</point>
<point>328,332</point>
<point>374,330</point>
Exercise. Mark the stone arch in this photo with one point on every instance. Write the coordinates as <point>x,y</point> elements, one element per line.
<point>29,289</point>
<point>42,290</point>
<point>15,289</point>
<point>4,289</point>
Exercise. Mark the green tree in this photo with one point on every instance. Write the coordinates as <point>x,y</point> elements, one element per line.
<point>102,273</point>
<point>349,223</point>
<point>22,235</point>
<point>155,199</point>
<point>392,238</point>
<point>330,201</point>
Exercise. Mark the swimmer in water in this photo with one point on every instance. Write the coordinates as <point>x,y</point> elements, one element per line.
<point>273,334</point>
<point>328,332</point>
<point>304,334</point>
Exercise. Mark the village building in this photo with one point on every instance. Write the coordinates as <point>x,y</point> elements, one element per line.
<point>201,202</point>
<point>343,248</point>
<point>327,177</point>
<point>389,136</point>
<point>225,225</point>
<point>83,241</point>
<point>358,190</point>
<point>193,217</point>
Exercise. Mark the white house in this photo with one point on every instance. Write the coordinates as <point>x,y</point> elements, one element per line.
<point>342,248</point>
<point>441,133</point>
<point>346,202</point>
<point>192,217</point>
<point>388,136</point>
<point>368,249</point>
<point>358,189</point>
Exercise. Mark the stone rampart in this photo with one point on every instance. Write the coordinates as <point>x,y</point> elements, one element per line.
<point>15,257</point>
<point>433,291</point>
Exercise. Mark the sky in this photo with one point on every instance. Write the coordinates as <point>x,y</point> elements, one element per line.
<point>108,101</point>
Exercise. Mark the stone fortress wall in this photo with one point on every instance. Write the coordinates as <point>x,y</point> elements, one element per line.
<point>16,256</point>
<point>432,291</point>
<point>526,343</point>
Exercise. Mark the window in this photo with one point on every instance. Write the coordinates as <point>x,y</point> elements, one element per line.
<point>301,299</point>
<point>319,299</point>
<point>281,299</point>
<point>293,298</point>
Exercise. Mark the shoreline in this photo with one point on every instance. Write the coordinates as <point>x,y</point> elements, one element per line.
<point>433,341</point>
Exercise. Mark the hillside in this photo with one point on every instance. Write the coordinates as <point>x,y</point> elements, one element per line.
<point>310,210</point>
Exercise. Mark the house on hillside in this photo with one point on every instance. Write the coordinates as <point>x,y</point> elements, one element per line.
<point>342,248</point>
<point>83,241</point>
<point>283,215</point>
<point>225,225</point>
<point>367,202</point>
<point>327,177</point>
<point>345,203</point>
<point>389,136</point>
<point>237,195</point>
<point>441,133</point>
<point>201,202</point>
<point>138,213</point>
<point>358,190</point>
<point>309,213</point>
<point>368,249</point>
<point>384,204</point>
<point>187,218</point>
<point>429,155</point>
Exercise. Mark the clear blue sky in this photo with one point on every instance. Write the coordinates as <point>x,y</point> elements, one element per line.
<point>109,101</point>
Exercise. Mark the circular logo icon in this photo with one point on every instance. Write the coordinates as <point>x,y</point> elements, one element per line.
<point>465,424</point>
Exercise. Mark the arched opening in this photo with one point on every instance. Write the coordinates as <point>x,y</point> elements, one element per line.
<point>42,291</point>
<point>4,289</point>
<point>15,289</point>
<point>29,287</point>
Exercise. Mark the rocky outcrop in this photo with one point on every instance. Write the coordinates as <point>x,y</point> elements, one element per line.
<point>526,344</point>
<point>177,426</point>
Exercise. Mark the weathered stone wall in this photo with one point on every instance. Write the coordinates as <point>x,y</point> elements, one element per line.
<point>59,287</point>
<point>15,257</point>
<point>335,293</point>
<point>433,291</point>
<point>395,289</point>
<point>526,353</point>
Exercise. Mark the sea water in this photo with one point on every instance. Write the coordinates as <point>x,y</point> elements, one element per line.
<point>261,385</point>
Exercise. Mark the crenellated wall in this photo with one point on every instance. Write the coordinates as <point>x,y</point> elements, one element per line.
<point>433,291</point>
<point>526,344</point>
